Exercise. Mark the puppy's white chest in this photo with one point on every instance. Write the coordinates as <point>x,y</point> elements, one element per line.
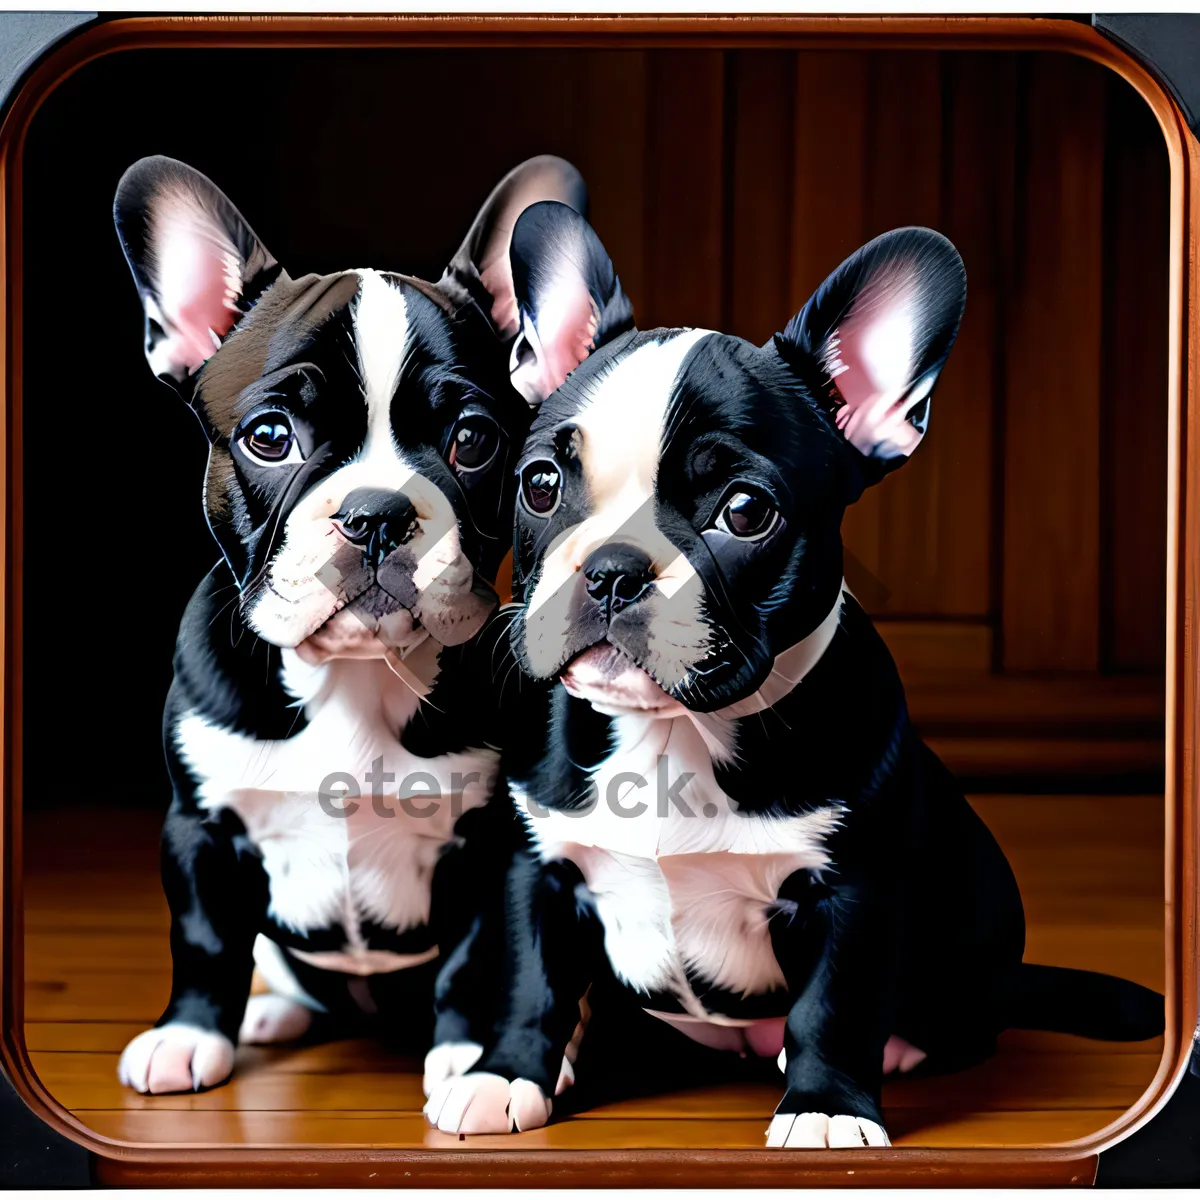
<point>680,879</point>
<point>349,824</point>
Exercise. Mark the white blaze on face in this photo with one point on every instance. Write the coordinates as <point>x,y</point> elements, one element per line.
<point>621,427</point>
<point>315,571</point>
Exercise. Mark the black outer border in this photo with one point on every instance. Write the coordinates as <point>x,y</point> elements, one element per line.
<point>1168,45</point>
<point>32,1153</point>
<point>26,38</point>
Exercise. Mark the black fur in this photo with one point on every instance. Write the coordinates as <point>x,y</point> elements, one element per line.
<point>916,927</point>
<point>290,350</point>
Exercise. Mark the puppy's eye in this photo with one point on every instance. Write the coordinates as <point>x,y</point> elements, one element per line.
<point>269,438</point>
<point>474,442</point>
<point>748,515</point>
<point>541,486</point>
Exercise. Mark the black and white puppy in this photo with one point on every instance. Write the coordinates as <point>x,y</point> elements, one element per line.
<point>734,826</point>
<point>362,430</point>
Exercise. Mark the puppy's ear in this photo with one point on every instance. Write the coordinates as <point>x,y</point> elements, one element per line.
<point>197,264</point>
<point>480,268</point>
<point>568,295</point>
<point>872,340</point>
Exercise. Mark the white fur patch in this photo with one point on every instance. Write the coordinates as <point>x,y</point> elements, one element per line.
<point>621,425</point>
<point>314,573</point>
<point>480,1102</point>
<point>675,890</point>
<point>326,869</point>
<point>623,415</point>
<point>447,1061</point>
<point>175,1058</point>
<point>816,1131</point>
<point>381,339</point>
<point>270,1019</point>
<point>278,975</point>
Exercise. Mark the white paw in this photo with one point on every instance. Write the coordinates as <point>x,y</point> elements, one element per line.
<point>899,1055</point>
<point>449,1060</point>
<point>484,1103</point>
<point>271,1018</point>
<point>816,1131</point>
<point>175,1058</point>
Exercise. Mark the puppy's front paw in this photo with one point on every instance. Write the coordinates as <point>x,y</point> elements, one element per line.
<point>448,1061</point>
<point>175,1058</point>
<point>485,1103</point>
<point>816,1131</point>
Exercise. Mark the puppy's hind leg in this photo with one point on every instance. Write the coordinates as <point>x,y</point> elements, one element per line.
<point>964,931</point>
<point>283,1014</point>
<point>270,1018</point>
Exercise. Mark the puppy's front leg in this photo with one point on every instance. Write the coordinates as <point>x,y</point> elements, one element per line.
<point>547,970</point>
<point>838,959</point>
<point>217,893</point>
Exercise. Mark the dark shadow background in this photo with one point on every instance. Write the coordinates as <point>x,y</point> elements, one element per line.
<point>725,185</point>
<point>338,160</point>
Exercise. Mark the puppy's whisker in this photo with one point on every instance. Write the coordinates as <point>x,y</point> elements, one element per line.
<point>224,607</point>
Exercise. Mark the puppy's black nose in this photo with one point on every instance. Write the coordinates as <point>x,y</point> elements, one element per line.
<point>617,575</point>
<point>378,520</point>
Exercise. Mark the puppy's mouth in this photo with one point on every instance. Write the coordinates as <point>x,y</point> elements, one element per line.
<point>612,683</point>
<point>372,625</point>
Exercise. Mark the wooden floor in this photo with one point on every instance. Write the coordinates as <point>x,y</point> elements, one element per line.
<point>97,972</point>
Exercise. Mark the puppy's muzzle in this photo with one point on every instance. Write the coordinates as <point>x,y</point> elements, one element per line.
<point>377,520</point>
<point>616,576</point>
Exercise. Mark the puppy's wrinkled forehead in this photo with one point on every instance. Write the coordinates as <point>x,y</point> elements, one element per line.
<point>617,414</point>
<point>354,333</point>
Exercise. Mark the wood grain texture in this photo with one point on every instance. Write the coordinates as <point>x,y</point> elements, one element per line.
<point>938,646</point>
<point>903,186</point>
<point>761,91</point>
<point>1133,411</point>
<point>1092,882</point>
<point>615,168</point>
<point>685,253</point>
<point>979,115</point>
<point>1032,727</point>
<point>572,1167</point>
<point>1052,430</point>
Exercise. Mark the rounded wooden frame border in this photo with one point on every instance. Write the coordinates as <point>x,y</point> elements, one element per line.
<point>1070,1162</point>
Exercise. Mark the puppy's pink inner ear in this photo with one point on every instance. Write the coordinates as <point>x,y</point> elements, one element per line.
<point>495,274</point>
<point>542,182</point>
<point>869,359</point>
<point>198,280</point>
<point>562,337</point>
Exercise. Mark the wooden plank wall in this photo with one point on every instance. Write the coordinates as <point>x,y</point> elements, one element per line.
<point>1024,546</point>
<point>1036,507</point>
<point>1026,540</point>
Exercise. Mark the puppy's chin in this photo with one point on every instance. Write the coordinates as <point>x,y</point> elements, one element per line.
<point>353,632</point>
<point>455,616</point>
<point>612,683</point>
